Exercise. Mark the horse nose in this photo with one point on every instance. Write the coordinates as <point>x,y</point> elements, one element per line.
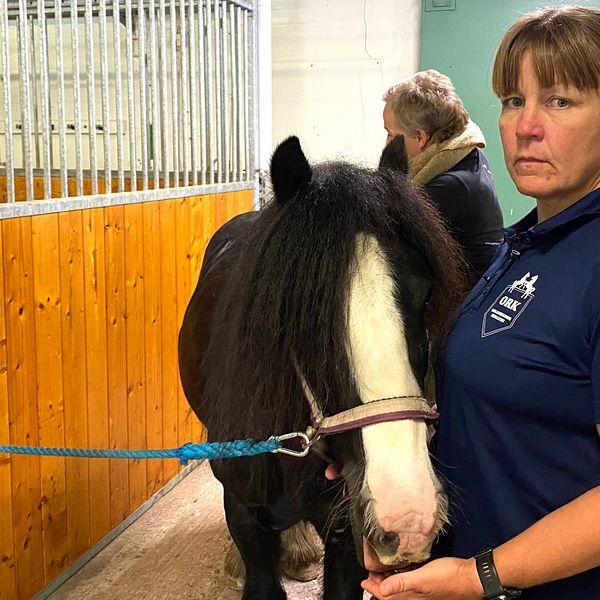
<point>371,559</point>
<point>384,542</point>
<point>388,537</point>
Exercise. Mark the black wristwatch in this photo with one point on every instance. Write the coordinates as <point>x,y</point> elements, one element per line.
<point>492,588</point>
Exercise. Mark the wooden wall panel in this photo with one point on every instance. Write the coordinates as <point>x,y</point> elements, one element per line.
<point>22,403</point>
<point>197,238</point>
<point>74,366</point>
<point>153,346</point>
<point>198,244</point>
<point>48,330</point>
<point>135,331</point>
<point>94,276</point>
<point>209,218</point>
<point>93,301</point>
<point>116,305</point>
<point>8,588</point>
<point>170,372</point>
<point>183,244</point>
<point>221,210</point>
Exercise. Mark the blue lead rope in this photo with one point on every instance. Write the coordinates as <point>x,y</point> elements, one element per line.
<point>185,453</point>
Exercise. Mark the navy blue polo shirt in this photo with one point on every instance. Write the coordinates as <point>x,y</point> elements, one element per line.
<point>519,388</point>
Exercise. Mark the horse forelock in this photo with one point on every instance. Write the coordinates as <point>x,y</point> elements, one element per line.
<point>286,301</point>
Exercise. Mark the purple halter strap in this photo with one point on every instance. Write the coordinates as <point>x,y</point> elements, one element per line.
<point>398,408</point>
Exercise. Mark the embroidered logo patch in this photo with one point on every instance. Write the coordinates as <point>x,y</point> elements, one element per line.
<point>509,305</point>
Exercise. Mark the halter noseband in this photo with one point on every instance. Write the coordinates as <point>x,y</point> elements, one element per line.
<point>398,408</point>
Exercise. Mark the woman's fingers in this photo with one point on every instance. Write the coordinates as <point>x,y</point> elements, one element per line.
<point>333,471</point>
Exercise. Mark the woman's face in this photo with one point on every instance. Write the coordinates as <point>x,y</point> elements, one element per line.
<point>551,140</point>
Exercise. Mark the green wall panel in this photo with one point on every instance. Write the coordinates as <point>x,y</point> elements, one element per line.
<point>459,38</point>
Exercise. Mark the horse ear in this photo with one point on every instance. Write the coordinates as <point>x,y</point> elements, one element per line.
<point>394,156</point>
<point>289,169</point>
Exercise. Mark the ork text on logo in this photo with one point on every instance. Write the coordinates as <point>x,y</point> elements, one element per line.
<point>509,305</point>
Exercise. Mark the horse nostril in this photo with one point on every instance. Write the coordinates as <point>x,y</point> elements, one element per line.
<point>388,537</point>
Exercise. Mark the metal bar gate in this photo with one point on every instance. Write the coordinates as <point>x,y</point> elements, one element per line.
<point>112,96</point>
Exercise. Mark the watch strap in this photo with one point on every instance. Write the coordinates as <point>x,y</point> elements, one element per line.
<point>486,569</point>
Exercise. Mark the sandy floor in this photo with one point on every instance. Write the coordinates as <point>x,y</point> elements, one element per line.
<point>175,551</point>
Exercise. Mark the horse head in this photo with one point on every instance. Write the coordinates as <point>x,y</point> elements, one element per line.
<point>385,263</point>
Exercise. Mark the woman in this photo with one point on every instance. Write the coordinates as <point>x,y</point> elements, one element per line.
<point>443,146</point>
<point>519,391</point>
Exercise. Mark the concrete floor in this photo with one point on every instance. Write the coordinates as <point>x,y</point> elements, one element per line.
<point>175,551</point>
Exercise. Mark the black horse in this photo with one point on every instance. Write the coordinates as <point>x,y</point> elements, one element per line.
<point>324,298</point>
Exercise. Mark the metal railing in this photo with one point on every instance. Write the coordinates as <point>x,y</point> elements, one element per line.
<point>112,96</point>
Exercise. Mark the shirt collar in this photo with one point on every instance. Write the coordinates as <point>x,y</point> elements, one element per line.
<point>588,205</point>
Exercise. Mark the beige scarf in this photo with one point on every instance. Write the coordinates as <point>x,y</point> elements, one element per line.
<point>438,158</point>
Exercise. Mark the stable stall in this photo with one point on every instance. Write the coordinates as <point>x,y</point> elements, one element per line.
<point>127,139</point>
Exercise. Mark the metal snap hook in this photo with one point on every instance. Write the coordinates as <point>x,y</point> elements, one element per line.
<point>305,441</point>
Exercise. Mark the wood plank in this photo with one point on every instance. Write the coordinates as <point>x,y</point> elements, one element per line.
<point>22,408</point>
<point>221,215</point>
<point>116,305</point>
<point>209,227</point>
<point>170,369</point>
<point>153,288</point>
<point>136,371</point>
<point>236,203</point>
<point>48,328</point>
<point>94,277</point>
<point>8,583</point>
<point>209,218</point>
<point>197,255</point>
<point>74,365</point>
<point>231,204</point>
<point>197,241</point>
<point>244,201</point>
<point>185,416</point>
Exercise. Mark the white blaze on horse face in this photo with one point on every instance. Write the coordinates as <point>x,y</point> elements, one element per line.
<point>398,471</point>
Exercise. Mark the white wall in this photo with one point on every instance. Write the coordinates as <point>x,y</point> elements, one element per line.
<point>332,62</point>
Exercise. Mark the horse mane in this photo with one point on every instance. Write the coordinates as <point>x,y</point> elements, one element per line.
<point>284,302</point>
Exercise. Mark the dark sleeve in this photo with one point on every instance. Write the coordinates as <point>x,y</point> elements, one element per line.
<point>449,194</point>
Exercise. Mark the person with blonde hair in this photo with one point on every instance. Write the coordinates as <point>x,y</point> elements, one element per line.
<point>519,383</point>
<point>444,150</point>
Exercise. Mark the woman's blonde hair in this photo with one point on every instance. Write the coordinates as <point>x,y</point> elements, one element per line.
<point>427,100</point>
<point>564,45</point>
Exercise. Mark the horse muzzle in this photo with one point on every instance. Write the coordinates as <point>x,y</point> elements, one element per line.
<point>401,539</point>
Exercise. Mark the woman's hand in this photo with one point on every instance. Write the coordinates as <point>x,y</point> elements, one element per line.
<point>333,471</point>
<point>441,579</point>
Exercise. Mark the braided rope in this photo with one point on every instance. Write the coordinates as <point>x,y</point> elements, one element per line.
<point>185,453</point>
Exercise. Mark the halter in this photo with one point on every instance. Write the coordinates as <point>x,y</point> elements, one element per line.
<point>384,410</point>
<point>398,408</point>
